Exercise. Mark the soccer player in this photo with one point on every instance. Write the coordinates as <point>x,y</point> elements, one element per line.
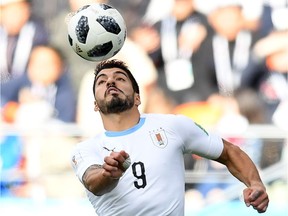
<point>155,144</point>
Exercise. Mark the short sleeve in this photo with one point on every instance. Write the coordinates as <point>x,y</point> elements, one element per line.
<point>197,140</point>
<point>82,158</point>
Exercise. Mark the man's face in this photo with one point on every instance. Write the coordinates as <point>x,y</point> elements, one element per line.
<point>113,91</point>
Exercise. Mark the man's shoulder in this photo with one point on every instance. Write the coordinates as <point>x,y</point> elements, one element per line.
<point>160,117</point>
<point>91,141</point>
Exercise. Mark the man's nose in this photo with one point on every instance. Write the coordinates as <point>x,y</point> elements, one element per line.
<point>110,81</point>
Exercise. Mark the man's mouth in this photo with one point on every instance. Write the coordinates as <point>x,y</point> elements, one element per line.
<point>112,90</point>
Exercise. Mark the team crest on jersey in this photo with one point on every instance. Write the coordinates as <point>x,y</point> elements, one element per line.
<point>159,138</point>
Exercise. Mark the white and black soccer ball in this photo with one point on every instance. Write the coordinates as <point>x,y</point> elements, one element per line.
<point>96,32</point>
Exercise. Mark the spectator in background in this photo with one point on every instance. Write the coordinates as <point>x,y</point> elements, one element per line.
<point>232,41</point>
<point>267,72</point>
<point>43,93</point>
<point>180,55</point>
<point>19,33</point>
<point>38,98</point>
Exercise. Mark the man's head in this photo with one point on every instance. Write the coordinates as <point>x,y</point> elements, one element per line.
<point>46,65</point>
<point>14,15</point>
<point>115,89</point>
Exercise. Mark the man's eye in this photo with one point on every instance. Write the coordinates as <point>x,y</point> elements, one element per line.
<point>101,82</point>
<point>120,79</point>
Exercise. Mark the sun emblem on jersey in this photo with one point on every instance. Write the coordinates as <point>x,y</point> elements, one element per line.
<point>159,138</point>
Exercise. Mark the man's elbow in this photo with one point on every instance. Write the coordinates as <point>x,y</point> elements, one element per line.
<point>99,188</point>
<point>229,150</point>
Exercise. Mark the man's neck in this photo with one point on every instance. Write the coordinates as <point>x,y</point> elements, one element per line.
<point>121,121</point>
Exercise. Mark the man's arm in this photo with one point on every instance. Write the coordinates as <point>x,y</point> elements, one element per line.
<point>101,179</point>
<point>241,166</point>
<point>98,184</point>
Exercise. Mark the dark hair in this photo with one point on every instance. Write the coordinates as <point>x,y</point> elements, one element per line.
<point>114,63</point>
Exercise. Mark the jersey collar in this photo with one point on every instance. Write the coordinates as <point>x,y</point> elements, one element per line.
<point>125,132</point>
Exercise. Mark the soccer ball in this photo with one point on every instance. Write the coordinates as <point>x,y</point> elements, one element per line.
<point>96,32</point>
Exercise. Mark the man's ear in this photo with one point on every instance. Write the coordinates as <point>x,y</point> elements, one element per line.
<point>137,100</point>
<point>96,108</point>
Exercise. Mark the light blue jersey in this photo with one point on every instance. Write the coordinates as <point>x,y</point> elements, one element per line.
<point>154,182</point>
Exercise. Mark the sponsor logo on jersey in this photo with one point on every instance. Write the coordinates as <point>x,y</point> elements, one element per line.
<point>159,138</point>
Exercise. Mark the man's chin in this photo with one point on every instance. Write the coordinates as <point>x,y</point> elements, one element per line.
<point>110,97</point>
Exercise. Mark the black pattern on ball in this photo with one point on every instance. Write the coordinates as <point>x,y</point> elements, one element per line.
<point>100,50</point>
<point>82,29</point>
<point>116,51</point>
<point>82,8</point>
<point>105,6</point>
<point>109,23</point>
<point>70,40</point>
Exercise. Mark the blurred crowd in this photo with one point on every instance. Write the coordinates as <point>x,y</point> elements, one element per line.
<point>223,63</point>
